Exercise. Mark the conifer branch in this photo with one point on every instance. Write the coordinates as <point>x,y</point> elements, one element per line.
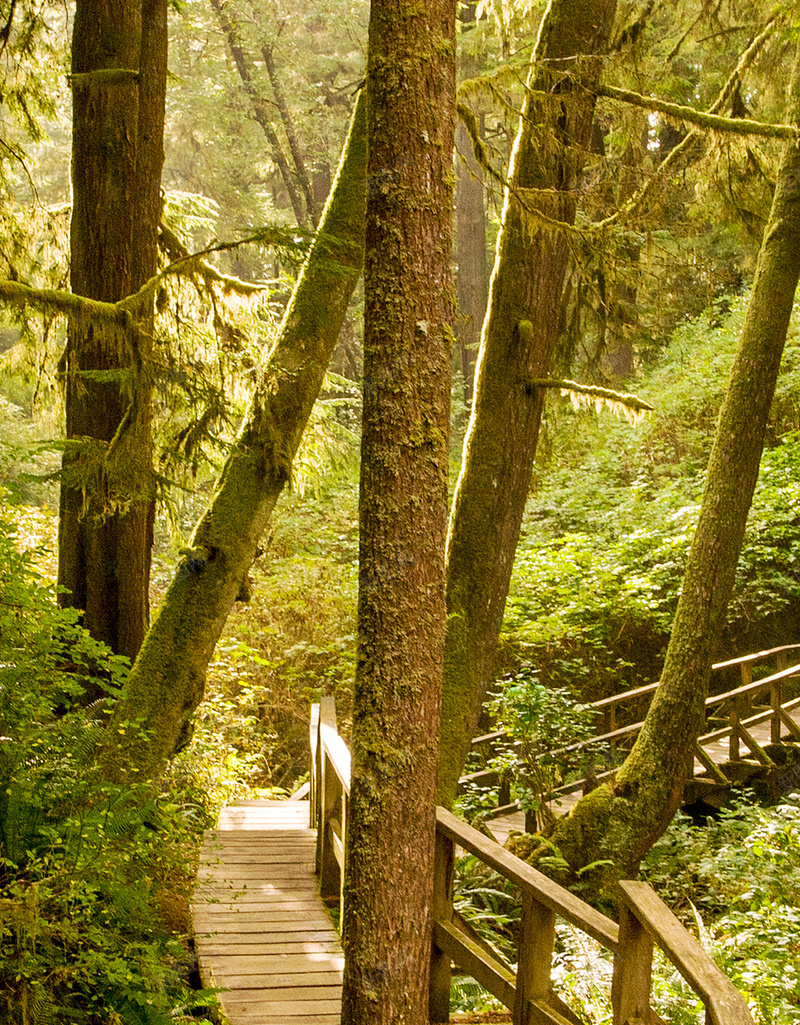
<point>57,301</point>
<point>702,119</point>
<point>620,403</point>
<point>176,250</point>
<point>636,200</point>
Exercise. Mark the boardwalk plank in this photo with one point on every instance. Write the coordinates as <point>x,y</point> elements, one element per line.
<point>262,933</point>
<point>241,964</point>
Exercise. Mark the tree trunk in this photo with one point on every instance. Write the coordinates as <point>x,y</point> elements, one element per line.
<point>472,278</point>
<point>621,822</point>
<point>107,497</point>
<point>261,114</point>
<point>403,512</point>
<point>291,135</point>
<point>517,346</point>
<point>473,275</point>
<point>168,678</point>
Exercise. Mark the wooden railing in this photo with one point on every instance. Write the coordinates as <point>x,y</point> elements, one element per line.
<point>738,709</point>
<point>526,989</point>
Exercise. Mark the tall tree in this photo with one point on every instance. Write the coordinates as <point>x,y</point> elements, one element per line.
<point>517,344</point>
<point>294,175</point>
<point>621,821</point>
<point>472,278</point>
<point>119,67</point>
<point>403,512</point>
<point>168,677</point>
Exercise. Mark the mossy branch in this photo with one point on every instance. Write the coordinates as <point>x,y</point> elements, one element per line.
<point>176,251</point>
<point>691,137</point>
<point>119,313</point>
<point>104,76</point>
<point>56,301</point>
<point>624,404</point>
<point>527,198</point>
<point>699,118</point>
<point>296,240</point>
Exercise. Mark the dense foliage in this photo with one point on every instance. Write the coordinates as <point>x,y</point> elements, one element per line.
<point>94,878</point>
<point>613,510</point>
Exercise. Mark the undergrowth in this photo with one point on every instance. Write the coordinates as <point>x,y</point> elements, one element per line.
<point>94,877</point>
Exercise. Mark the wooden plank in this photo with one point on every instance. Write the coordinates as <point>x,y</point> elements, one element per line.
<point>268,902</point>
<point>237,873</point>
<point>242,964</point>
<point>245,923</point>
<point>473,959</point>
<point>323,998</point>
<point>213,949</point>
<point>247,981</point>
<point>316,1019</point>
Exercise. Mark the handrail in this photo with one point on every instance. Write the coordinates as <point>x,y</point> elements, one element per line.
<point>527,988</point>
<point>644,911</point>
<point>740,699</point>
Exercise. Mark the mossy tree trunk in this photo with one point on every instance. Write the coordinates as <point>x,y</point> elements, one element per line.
<point>119,68</point>
<point>403,512</point>
<point>621,822</point>
<point>517,344</point>
<point>472,276</point>
<point>168,677</point>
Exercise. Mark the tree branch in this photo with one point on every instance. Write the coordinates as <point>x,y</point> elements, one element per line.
<point>702,119</point>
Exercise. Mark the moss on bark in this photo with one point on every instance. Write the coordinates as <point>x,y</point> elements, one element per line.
<point>168,676</point>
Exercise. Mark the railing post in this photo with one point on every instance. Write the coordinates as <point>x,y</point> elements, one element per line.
<point>747,679</point>
<point>775,700</point>
<point>733,742</point>
<point>633,964</point>
<point>314,767</point>
<point>329,797</point>
<point>439,998</point>
<point>536,938</point>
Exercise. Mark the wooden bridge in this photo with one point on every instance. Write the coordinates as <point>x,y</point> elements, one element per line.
<point>273,869</point>
<point>742,722</point>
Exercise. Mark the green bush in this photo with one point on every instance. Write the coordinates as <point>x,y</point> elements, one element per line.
<point>736,884</point>
<point>600,563</point>
<point>91,874</point>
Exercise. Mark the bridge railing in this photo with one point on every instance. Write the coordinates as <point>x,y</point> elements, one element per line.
<point>733,714</point>
<point>527,988</point>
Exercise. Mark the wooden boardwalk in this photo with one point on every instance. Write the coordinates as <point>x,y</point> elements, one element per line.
<point>501,827</point>
<point>262,932</point>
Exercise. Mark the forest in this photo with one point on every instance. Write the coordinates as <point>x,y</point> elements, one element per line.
<point>440,357</point>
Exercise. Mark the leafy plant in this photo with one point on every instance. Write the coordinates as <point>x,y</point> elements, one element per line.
<point>94,877</point>
<point>540,724</point>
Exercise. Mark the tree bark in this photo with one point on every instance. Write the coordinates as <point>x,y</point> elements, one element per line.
<point>168,678</point>
<point>472,277</point>
<point>473,273</point>
<point>403,512</point>
<point>119,68</point>
<point>621,822</point>
<point>517,344</point>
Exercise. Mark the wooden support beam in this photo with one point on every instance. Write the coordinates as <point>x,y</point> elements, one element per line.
<point>633,965</point>
<point>710,765</point>
<point>439,999</point>
<point>536,939</point>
